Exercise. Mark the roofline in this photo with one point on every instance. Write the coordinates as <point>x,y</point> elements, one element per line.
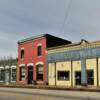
<point>32,38</point>
<point>73,44</point>
<point>66,45</point>
<point>39,36</point>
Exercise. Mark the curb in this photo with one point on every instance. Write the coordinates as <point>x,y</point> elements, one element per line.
<point>53,88</point>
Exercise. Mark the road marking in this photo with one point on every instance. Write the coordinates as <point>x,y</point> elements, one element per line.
<point>18,96</point>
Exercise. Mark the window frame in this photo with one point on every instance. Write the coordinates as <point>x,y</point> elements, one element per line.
<point>62,79</point>
<point>39,50</point>
<point>12,72</point>
<point>2,74</point>
<point>89,72</point>
<point>22,77</point>
<point>22,53</point>
<point>39,72</point>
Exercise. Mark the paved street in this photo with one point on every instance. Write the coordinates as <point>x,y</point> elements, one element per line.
<point>40,94</point>
<point>17,96</point>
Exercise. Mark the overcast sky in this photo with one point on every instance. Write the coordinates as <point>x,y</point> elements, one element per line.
<point>70,19</point>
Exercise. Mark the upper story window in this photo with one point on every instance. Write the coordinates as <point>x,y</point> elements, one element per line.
<point>22,54</point>
<point>39,50</point>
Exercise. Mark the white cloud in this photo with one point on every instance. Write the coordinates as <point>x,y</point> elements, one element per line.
<point>24,18</point>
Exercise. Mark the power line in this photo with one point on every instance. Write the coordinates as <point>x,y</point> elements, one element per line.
<point>66,15</point>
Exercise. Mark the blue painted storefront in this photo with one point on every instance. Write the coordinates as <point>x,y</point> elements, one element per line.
<point>82,54</point>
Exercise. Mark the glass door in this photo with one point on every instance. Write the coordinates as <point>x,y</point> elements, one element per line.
<point>78,78</point>
<point>30,74</point>
<point>90,77</point>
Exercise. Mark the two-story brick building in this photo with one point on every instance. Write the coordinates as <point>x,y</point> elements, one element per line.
<point>32,58</point>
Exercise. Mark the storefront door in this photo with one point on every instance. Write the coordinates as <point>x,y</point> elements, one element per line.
<point>90,77</point>
<point>78,78</point>
<point>30,74</point>
<point>7,76</point>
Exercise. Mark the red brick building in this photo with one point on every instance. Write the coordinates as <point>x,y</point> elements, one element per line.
<point>32,58</point>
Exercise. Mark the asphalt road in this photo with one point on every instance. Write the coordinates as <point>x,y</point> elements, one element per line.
<point>22,96</point>
<point>38,94</point>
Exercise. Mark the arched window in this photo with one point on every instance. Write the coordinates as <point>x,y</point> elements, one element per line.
<point>39,68</point>
<point>22,72</point>
<point>22,54</point>
<point>39,51</point>
<point>2,74</point>
<point>13,73</point>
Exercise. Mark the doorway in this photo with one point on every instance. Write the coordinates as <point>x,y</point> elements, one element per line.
<point>30,74</point>
<point>90,77</point>
<point>78,78</point>
<point>39,68</point>
<point>7,76</point>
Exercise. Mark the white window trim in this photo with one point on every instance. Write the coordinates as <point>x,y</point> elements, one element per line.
<point>21,65</point>
<point>40,44</point>
<point>2,81</point>
<point>13,67</point>
<point>39,56</point>
<point>30,64</point>
<point>39,63</point>
<point>1,67</point>
<point>7,67</point>
<point>22,48</point>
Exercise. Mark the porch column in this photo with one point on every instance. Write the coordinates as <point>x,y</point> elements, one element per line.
<point>83,73</point>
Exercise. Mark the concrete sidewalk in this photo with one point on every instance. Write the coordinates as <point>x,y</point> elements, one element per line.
<point>55,93</point>
<point>46,87</point>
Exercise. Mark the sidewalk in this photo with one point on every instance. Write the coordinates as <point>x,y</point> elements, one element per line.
<point>88,89</point>
<point>67,94</point>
